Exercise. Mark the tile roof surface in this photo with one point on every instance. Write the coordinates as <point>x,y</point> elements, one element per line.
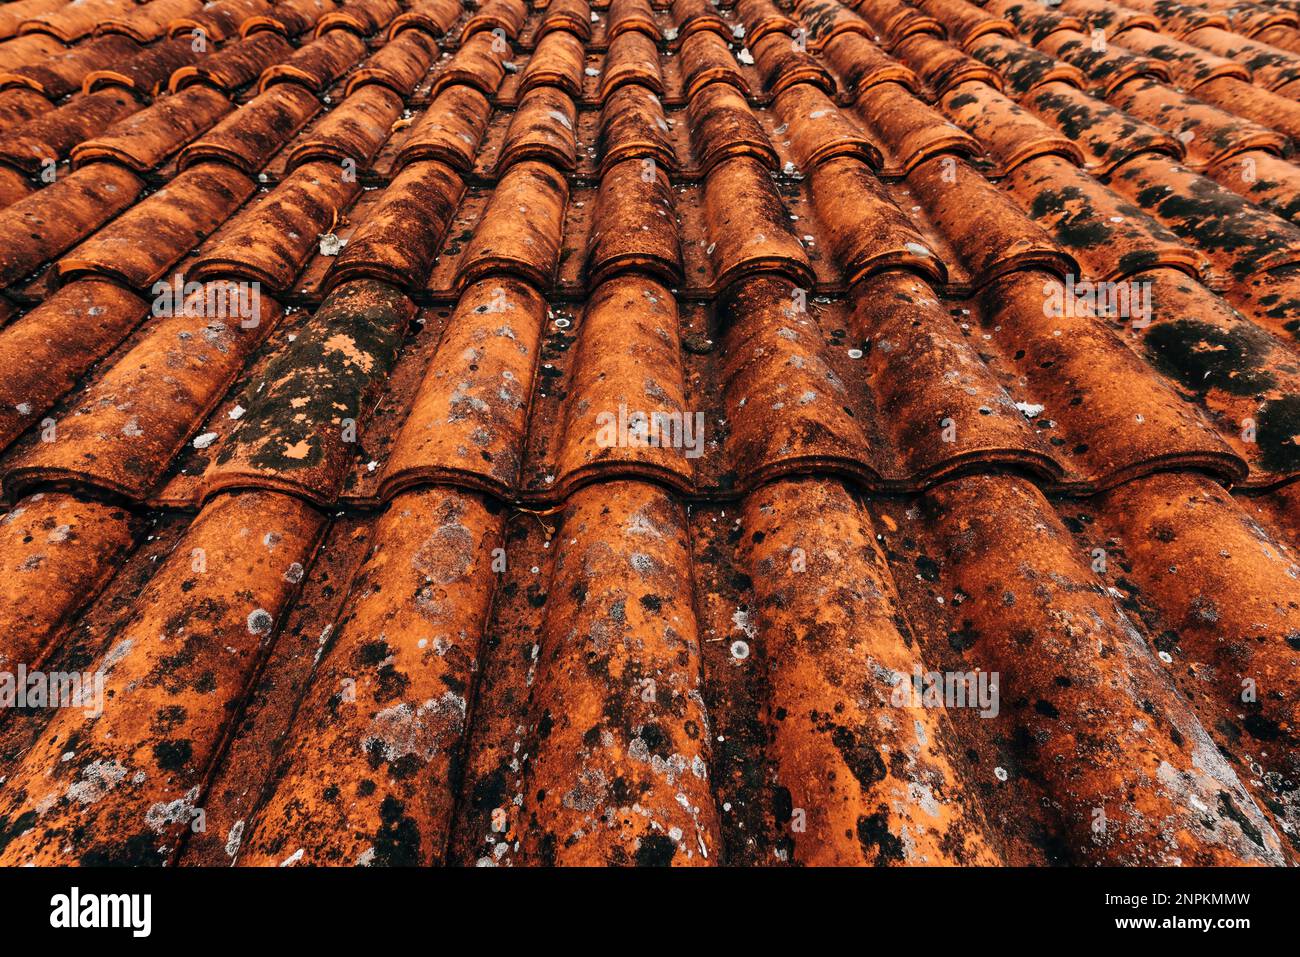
<point>330,331</point>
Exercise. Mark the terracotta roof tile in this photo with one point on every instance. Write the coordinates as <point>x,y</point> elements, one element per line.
<point>148,21</point>
<point>251,135</point>
<point>43,141</point>
<point>148,72</point>
<point>143,140</point>
<point>61,72</point>
<point>334,336</point>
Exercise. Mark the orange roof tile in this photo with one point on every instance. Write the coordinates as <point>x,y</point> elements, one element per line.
<point>581,434</point>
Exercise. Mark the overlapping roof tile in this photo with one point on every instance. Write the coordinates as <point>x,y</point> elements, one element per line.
<point>553,433</point>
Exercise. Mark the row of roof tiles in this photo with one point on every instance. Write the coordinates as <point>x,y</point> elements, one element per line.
<point>897,172</point>
<point>457,685</point>
<point>1100,227</point>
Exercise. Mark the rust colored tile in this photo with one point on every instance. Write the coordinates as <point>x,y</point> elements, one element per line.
<point>706,59</point>
<point>1104,70</point>
<point>1245,99</point>
<point>782,65</point>
<point>144,140</point>
<point>866,232</point>
<point>433,17</point>
<point>56,551</point>
<point>617,694</point>
<point>480,63</point>
<point>1264,179</point>
<point>557,61</point>
<point>236,64</point>
<point>289,18</point>
<point>148,21</point>
<point>826,19</point>
<point>468,421</point>
<point>1244,377</point>
<point>761,18</point>
<point>258,739</point>
<point>1034,612</point>
<point>965,22</point>
<point>992,237</point>
<point>633,126</point>
<point>1228,594</point>
<point>317,64</point>
<point>51,220</point>
<point>698,16</point>
<point>140,246</point>
<point>1209,134</point>
<point>1263,23</point>
<point>1034,21</point>
<point>1107,136</point>
<point>1272,299</point>
<point>1281,506</point>
<point>19,104</point>
<point>748,226</point>
<point>941,65</point>
<point>632,58</point>
<point>219,21</point>
<point>24,51</point>
<point>907,130</point>
<point>399,65</point>
<point>1269,67</point>
<point>930,377</point>
<point>1111,238</point>
<point>627,412</point>
<point>249,137</point>
<point>149,71</point>
<point>49,349</point>
<point>450,130</point>
<point>402,234</point>
<point>631,16</point>
<point>12,15</point>
<point>49,137</point>
<point>1105,405</point>
<point>1022,67</point>
<point>788,410</point>
<point>74,21</point>
<point>521,229</point>
<point>1237,237</point>
<point>361,17</point>
<point>124,430</point>
<point>1179,19</point>
<point>174,676</point>
<point>389,702</point>
<point>13,186</point>
<point>354,130</point>
<point>635,227</point>
<point>895,20</point>
<point>1009,133</point>
<point>1112,18</point>
<point>306,412</point>
<point>1281,36</point>
<point>507,15</point>
<point>570,16</point>
<point>860,64</point>
<point>1189,66</point>
<point>269,242</point>
<point>723,127</point>
<point>874,787</point>
<point>543,128</point>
